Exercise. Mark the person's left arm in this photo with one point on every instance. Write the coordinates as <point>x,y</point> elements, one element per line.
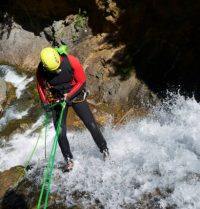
<point>79,77</point>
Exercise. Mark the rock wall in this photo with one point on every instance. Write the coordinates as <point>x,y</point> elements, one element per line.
<point>3,90</point>
<point>26,30</point>
<point>130,49</point>
<point>163,41</point>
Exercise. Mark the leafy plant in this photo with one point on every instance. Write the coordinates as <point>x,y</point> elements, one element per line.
<point>127,65</point>
<point>79,24</point>
<point>74,37</point>
<point>80,20</point>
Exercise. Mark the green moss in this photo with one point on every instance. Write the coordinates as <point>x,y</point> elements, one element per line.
<point>80,20</point>
<point>18,171</point>
<point>126,67</point>
<point>79,24</point>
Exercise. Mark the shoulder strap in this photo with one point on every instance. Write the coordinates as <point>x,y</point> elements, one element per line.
<point>66,63</point>
<point>62,49</point>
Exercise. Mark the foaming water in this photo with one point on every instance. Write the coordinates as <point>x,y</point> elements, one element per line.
<point>159,151</point>
<point>11,113</point>
<point>20,82</point>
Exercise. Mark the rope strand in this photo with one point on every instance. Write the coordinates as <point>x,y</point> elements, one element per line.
<point>47,178</point>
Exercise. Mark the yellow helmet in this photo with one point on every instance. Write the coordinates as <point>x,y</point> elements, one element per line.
<point>50,58</point>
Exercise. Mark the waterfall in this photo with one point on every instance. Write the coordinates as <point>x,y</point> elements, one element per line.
<point>161,151</point>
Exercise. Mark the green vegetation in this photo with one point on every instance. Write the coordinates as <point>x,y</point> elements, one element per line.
<point>126,67</point>
<point>80,20</point>
<point>75,36</point>
<point>80,24</point>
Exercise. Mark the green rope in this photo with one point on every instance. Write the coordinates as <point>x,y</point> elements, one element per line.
<point>33,151</point>
<point>49,169</point>
<point>45,124</point>
<point>45,138</point>
<point>26,164</point>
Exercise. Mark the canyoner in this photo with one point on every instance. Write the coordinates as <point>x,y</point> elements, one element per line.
<point>61,84</point>
<point>60,76</point>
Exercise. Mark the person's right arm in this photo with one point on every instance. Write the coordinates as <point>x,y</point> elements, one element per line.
<point>41,85</point>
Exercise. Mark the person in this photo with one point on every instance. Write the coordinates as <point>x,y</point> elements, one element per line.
<point>61,76</point>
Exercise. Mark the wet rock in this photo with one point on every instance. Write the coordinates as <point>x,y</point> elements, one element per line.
<point>28,101</point>
<point>13,200</point>
<point>3,90</point>
<point>7,95</point>
<point>17,47</point>
<point>109,9</point>
<point>10,96</point>
<point>103,81</point>
<point>71,30</point>
<point>25,194</point>
<point>10,178</point>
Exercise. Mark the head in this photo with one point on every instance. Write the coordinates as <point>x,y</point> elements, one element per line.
<point>50,59</point>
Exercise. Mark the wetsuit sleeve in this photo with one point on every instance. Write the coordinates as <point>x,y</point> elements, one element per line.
<point>41,86</point>
<point>79,77</point>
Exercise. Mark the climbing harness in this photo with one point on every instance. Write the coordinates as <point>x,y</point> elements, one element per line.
<point>81,97</point>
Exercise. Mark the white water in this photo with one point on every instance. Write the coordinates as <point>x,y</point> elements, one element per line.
<point>19,82</point>
<point>159,151</point>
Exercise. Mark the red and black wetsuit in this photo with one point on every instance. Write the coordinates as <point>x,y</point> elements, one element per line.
<point>70,80</point>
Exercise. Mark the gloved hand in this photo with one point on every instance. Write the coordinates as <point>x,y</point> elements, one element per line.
<point>69,102</point>
<point>62,99</point>
<point>46,107</point>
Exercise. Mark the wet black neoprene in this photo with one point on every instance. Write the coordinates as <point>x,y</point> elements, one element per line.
<point>83,111</point>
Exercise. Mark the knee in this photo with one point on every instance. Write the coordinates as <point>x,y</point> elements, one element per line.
<point>92,126</point>
<point>62,131</point>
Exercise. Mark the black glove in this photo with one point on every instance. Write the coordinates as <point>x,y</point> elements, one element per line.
<point>68,101</point>
<point>62,99</point>
<point>46,107</point>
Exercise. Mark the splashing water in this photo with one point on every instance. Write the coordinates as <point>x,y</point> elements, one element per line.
<point>20,82</point>
<point>9,75</point>
<point>159,151</point>
<point>11,113</point>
